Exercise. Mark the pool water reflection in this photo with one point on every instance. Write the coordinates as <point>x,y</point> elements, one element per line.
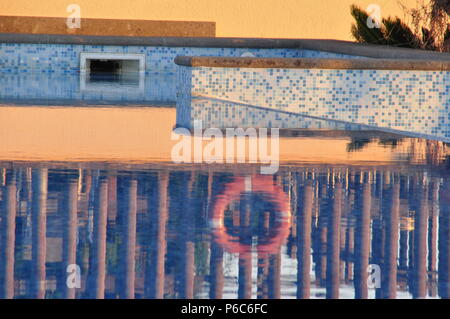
<point>93,188</point>
<point>191,232</point>
<point>87,89</point>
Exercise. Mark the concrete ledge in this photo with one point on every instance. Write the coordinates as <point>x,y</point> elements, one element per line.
<point>333,46</point>
<point>107,27</point>
<point>314,63</point>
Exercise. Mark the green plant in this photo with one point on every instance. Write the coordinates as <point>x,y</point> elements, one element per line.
<point>429,21</point>
<point>428,27</point>
<point>361,31</point>
<point>397,33</point>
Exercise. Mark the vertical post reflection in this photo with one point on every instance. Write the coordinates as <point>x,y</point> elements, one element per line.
<point>69,213</point>
<point>98,259</point>
<point>304,216</point>
<point>333,242</point>
<point>350,234</point>
<point>444,242</point>
<point>420,244</point>
<point>128,190</point>
<point>275,275</point>
<point>432,237</point>
<point>245,258</point>
<point>389,270</point>
<point>187,226</point>
<point>362,240</point>
<point>39,221</point>
<point>263,259</point>
<point>8,228</point>
<point>349,252</point>
<point>216,283</point>
<point>158,239</point>
<point>216,265</point>
<point>378,230</point>
<point>320,236</point>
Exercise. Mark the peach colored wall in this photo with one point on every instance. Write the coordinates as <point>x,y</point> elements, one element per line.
<point>326,19</point>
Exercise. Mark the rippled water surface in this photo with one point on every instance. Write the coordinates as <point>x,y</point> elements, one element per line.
<point>114,210</point>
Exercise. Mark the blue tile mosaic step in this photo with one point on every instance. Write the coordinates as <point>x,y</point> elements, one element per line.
<point>409,101</point>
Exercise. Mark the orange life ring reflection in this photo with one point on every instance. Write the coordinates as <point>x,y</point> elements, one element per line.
<point>273,193</point>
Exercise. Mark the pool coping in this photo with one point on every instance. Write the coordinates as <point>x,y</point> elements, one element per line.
<point>324,45</point>
<point>313,63</point>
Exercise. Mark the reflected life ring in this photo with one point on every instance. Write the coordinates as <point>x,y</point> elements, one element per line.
<point>273,193</point>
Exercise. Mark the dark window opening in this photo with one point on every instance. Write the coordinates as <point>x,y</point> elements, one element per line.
<point>105,66</point>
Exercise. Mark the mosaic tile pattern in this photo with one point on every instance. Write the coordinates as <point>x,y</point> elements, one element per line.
<point>410,101</point>
<point>27,57</point>
<point>328,55</point>
<point>222,114</point>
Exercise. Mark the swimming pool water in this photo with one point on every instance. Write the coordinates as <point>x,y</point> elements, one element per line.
<point>139,226</point>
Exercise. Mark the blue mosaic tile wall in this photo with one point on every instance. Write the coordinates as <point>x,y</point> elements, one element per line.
<point>62,63</point>
<point>409,101</point>
<point>27,57</point>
